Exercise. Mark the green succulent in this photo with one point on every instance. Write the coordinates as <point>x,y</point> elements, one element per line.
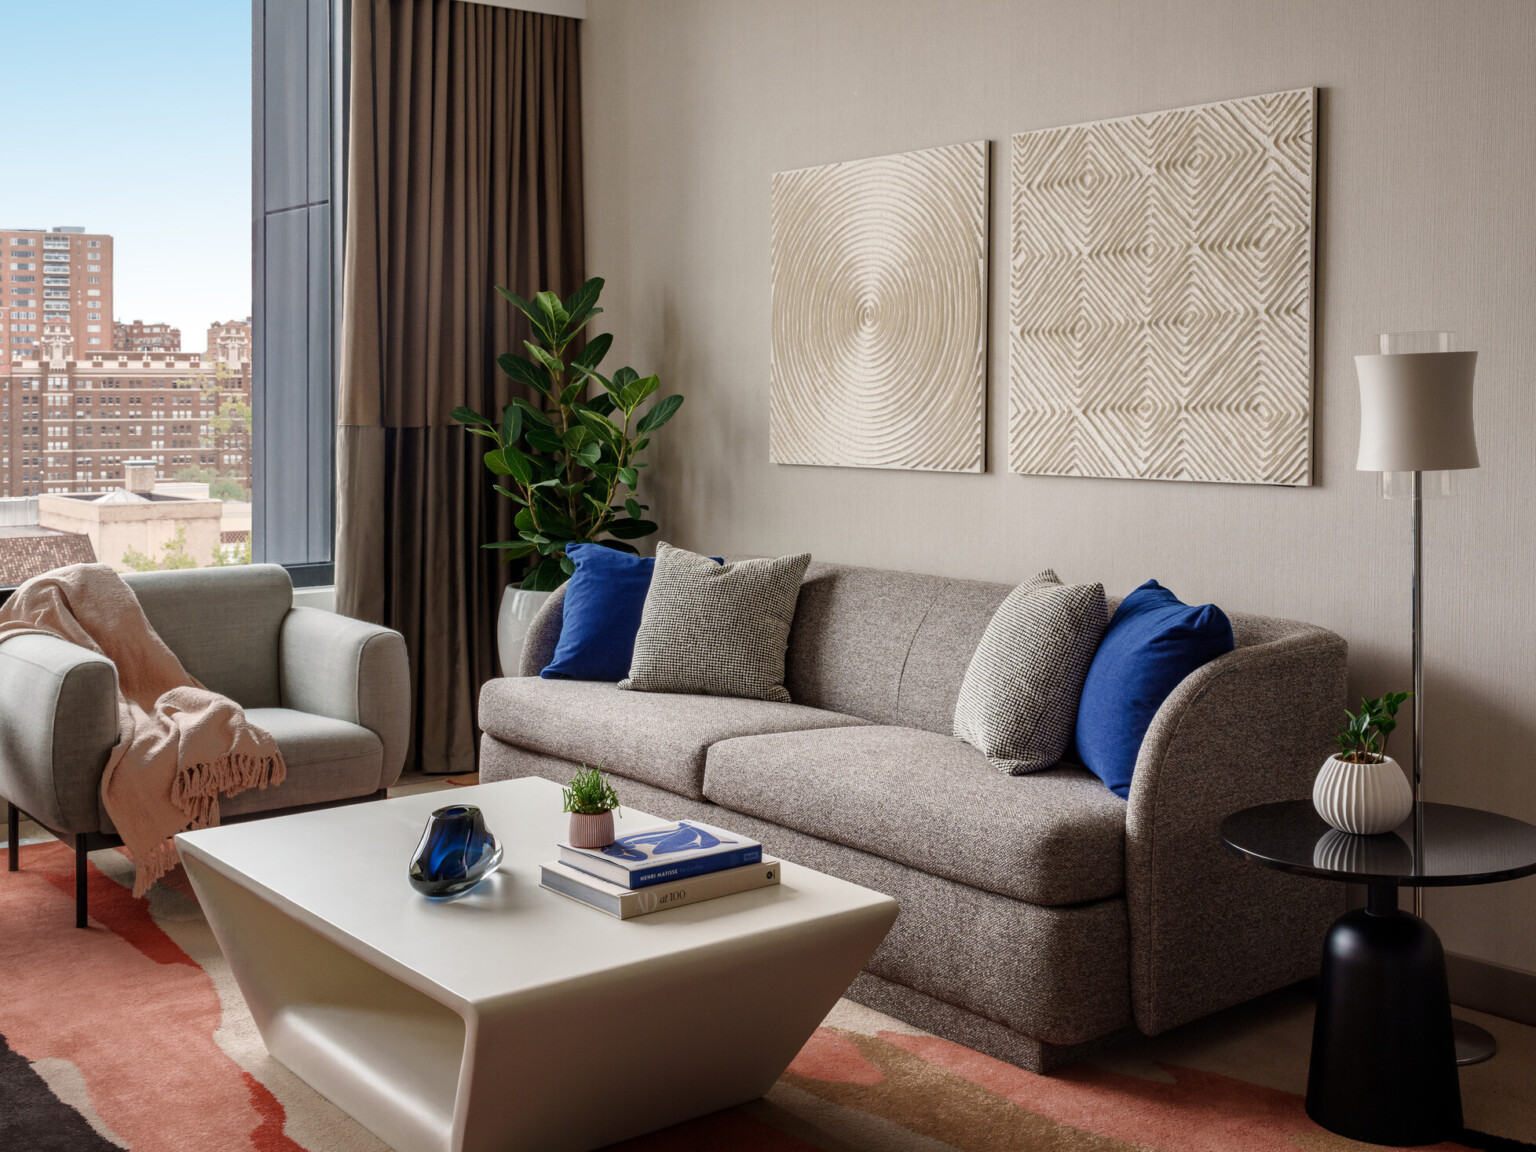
<point>1363,738</point>
<point>590,793</point>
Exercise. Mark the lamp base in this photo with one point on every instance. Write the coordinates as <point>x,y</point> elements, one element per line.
<point>1473,1044</point>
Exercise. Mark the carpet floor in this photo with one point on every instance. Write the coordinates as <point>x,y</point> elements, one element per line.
<point>132,1034</point>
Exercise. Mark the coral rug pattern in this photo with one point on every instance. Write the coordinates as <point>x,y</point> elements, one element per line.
<point>132,1034</point>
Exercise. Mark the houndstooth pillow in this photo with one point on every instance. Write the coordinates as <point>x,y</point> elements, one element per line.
<point>1018,703</point>
<point>716,629</point>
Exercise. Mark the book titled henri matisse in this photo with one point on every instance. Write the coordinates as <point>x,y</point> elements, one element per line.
<point>665,852</point>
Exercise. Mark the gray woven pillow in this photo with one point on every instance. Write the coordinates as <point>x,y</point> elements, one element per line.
<point>716,629</point>
<point>1018,702</point>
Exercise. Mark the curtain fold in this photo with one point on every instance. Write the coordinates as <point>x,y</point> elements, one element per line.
<point>464,173</point>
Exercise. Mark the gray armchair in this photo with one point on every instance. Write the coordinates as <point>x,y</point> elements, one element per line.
<point>334,693</point>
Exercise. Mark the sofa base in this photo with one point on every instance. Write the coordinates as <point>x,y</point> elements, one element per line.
<point>965,1027</point>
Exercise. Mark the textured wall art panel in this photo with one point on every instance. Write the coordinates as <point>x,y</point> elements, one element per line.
<point>1161,310</point>
<point>880,312</point>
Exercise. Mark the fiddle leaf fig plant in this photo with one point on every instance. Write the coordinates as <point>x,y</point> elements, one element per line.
<point>1363,738</point>
<point>570,461</point>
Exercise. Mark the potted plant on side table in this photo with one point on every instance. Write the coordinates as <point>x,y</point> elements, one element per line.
<point>1362,790</point>
<point>569,458</point>
<point>591,801</point>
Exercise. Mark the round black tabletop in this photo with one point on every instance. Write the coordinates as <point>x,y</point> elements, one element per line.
<point>1459,846</point>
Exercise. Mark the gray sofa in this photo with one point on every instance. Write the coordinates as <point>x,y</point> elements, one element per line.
<point>333,692</point>
<point>1040,915</point>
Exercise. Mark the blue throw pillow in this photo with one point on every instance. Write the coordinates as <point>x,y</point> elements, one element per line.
<point>603,602</point>
<point>1154,640</point>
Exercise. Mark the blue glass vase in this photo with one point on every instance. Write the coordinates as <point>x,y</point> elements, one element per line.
<point>456,853</point>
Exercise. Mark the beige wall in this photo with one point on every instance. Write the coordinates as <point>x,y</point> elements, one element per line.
<point>1428,181</point>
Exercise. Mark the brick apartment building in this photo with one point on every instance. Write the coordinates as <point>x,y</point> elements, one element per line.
<point>69,420</point>
<point>137,336</point>
<point>63,276</point>
<point>222,335</point>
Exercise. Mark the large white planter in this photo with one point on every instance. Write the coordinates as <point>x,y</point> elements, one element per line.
<point>1362,799</point>
<point>518,608</point>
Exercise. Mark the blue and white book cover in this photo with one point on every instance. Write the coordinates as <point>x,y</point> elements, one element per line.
<point>664,852</point>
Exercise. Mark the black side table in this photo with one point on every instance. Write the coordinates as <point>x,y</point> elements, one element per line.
<point>1383,1054</point>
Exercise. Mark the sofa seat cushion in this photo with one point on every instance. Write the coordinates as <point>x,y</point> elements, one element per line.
<point>327,760</point>
<point>934,803</point>
<point>657,737</point>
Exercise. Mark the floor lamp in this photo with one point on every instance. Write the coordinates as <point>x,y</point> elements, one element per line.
<point>1416,428</point>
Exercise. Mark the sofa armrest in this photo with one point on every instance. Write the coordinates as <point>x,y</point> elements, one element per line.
<point>330,665</point>
<point>58,725</point>
<point>543,635</point>
<point>1209,930</point>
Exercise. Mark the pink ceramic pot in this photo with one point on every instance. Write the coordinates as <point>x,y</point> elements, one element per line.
<point>591,831</point>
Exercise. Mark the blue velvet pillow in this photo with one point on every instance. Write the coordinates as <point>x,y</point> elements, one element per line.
<point>603,602</point>
<point>1154,640</point>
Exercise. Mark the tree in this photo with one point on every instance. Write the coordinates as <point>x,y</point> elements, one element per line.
<point>174,554</point>
<point>227,432</point>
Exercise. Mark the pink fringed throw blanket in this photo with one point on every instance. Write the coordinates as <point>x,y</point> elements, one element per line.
<point>179,745</point>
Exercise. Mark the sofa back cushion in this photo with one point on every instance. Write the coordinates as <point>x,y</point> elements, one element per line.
<point>890,647</point>
<point>222,623</point>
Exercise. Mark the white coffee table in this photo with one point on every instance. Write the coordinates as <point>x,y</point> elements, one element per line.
<point>515,1018</point>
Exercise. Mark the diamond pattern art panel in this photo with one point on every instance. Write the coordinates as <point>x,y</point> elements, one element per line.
<point>1161,313</point>
<point>880,312</point>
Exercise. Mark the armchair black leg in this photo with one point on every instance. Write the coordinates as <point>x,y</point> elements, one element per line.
<point>13,837</point>
<point>81,860</point>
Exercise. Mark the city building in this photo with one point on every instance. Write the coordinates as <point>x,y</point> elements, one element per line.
<point>70,420</point>
<point>221,335</point>
<point>134,522</point>
<point>137,336</point>
<point>61,277</point>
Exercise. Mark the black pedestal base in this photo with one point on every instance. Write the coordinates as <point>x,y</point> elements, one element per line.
<point>1383,1057</point>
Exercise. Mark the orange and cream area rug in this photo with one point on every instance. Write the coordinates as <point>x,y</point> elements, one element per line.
<point>132,1034</point>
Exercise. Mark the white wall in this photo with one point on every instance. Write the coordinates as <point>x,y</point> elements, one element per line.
<point>1428,172</point>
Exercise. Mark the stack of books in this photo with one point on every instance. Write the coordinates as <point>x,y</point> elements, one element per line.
<point>661,867</point>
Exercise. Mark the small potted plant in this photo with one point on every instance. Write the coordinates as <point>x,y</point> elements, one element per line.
<point>591,801</point>
<point>1361,789</point>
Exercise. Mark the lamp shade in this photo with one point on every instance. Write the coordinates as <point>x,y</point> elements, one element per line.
<point>1416,412</point>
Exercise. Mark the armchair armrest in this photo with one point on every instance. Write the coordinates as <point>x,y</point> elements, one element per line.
<point>330,665</point>
<point>1209,930</point>
<point>58,725</point>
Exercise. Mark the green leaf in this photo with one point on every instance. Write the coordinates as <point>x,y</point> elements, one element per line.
<point>536,317</point>
<point>524,521</point>
<point>635,393</point>
<point>497,463</point>
<point>663,411</point>
<point>592,355</point>
<point>549,304</point>
<point>573,390</point>
<point>511,549</point>
<point>601,404</point>
<point>533,412</point>
<point>525,371</point>
<point>582,301</point>
<point>623,378</point>
<point>468,416</point>
<point>567,565</point>
<point>575,436</point>
<point>511,423</point>
<point>546,577</point>
<point>630,528</point>
<point>550,361</point>
<point>518,465</point>
<point>599,424</point>
<point>589,453</point>
<point>509,494</point>
<point>638,446</point>
<point>632,506</point>
<point>630,476</point>
<point>543,440</point>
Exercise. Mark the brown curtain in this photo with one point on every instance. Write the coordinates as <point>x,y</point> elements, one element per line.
<point>464,174</point>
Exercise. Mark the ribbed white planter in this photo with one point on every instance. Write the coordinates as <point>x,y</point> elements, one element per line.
<point>518,608</point>
<point>1362,799</point>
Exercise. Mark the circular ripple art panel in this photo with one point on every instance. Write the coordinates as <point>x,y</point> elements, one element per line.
<point>879,312</point>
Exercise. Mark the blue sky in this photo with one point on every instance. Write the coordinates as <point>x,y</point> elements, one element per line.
<point>137,122</point>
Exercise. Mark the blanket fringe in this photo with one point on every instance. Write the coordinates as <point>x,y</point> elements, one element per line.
<point>229,774</point>
<point>153,865</point>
